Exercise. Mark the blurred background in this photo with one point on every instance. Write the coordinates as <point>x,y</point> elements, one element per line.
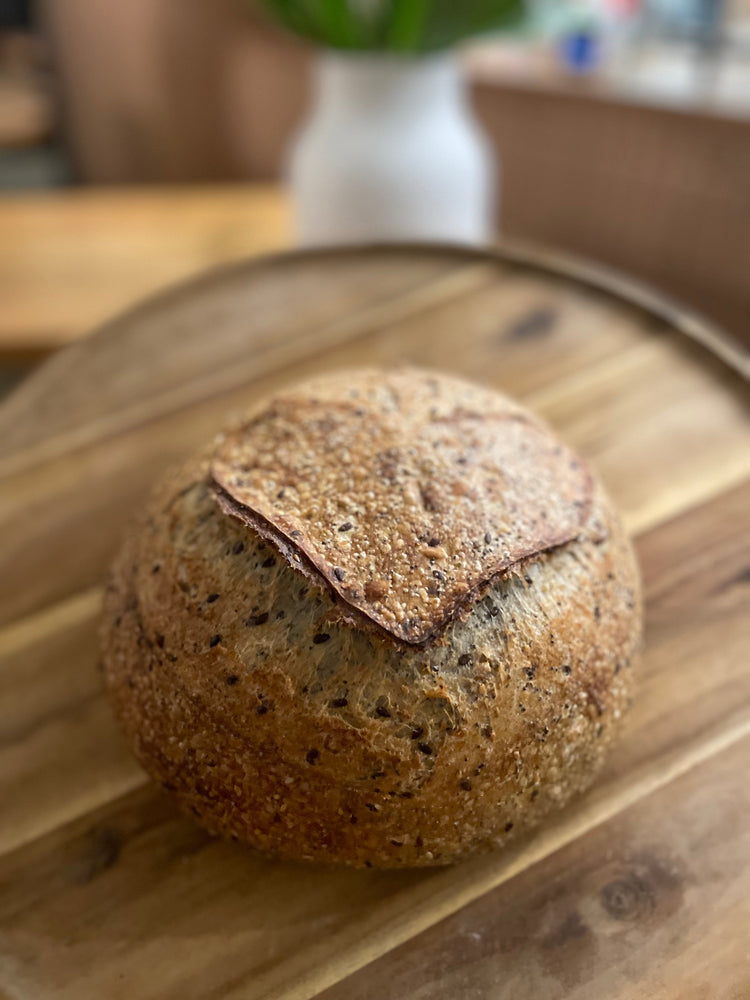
<point>141,142</point>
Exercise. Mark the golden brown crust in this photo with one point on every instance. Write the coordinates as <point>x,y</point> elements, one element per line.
<point>407,493</point>
<point>275,720</point>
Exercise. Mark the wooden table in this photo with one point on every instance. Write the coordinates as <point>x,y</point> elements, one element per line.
<point>71,259</point>
<point>640,889</point>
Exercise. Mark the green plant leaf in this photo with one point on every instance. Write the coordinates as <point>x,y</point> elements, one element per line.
<point>337,23</point>
<point>406,20</point>
<point>406,26</point>
<point>452,22</point>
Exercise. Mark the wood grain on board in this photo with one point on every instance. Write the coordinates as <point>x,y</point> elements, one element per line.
<point>654,903</point>
<point>105,890</point>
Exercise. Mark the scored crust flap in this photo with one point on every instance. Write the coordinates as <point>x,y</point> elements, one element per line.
<point>407,492</point>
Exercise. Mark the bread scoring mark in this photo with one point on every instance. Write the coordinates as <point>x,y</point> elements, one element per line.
<point>408,505</point>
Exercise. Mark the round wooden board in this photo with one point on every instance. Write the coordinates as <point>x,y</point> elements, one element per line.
<point>107,892</point>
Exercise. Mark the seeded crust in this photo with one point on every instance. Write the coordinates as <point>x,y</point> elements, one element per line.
<point>282,715</point>
<point>437,486</point>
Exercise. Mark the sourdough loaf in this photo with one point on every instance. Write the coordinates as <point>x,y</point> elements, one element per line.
<point>385,618</point>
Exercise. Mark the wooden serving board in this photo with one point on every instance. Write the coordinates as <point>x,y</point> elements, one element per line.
<point>639,889</point>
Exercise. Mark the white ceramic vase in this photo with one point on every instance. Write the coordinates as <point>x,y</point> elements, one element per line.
<point>391,151</point>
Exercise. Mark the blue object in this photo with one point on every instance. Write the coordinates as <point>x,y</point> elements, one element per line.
<point>580,51</point>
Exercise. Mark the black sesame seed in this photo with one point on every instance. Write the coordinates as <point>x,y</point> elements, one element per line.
<point>311,756</point>
<point>346,526</point>
<point>339,573</point>
<point>487,538</point>
<point>371,806</point>
<point>508,827</point>
<point>494,611</point>
<point>280,494</point>
<point>425,748</point>
<point>211,598</point>
<point>397,843</point>
<point>383,712</point>
<point>597,612</point>
<point>465,783</point>
<point>433,543</point>
<point>566,669</point>
<point>339,702</point>
<point>296,534</point>
<point>416,733</point>
<point>214,641</point>
<point>280,614</point>
<point>231,680</point>
<point>268,563</point>
<point>464,658</point>
<point>238,547</point>
<point>155,568</point>
<point>320,638</point>
<point>260,619</point>
<point>261,709</point>
<point>528,580</point>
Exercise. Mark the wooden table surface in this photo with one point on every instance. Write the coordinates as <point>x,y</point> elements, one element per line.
<point>72,258</point>
<point>640,889</point>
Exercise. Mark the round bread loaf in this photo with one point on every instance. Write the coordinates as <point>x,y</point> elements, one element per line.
<point>386,619</point>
